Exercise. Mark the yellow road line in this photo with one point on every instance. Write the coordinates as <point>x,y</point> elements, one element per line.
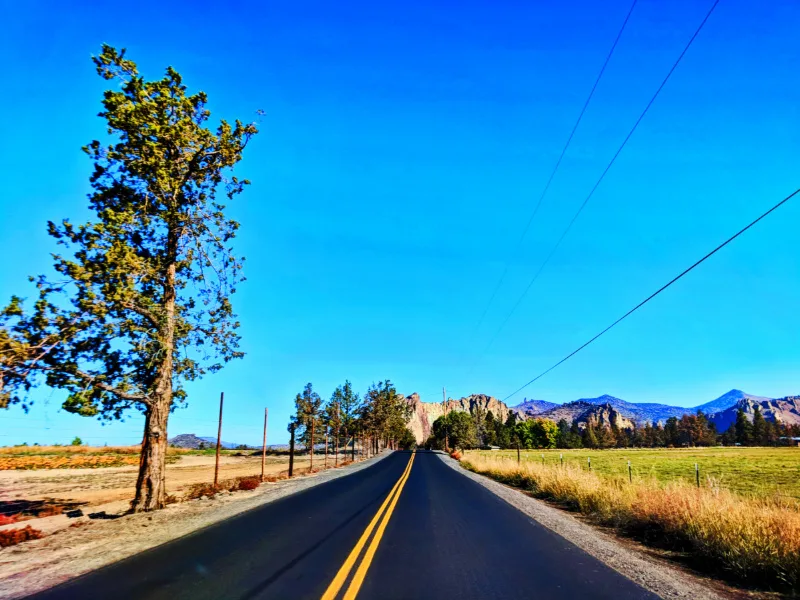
<point>358,578</point>
<point>344,571</point>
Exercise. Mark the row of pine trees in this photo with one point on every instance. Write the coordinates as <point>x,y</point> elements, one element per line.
<point>480,429</point>
<point>376,421</point>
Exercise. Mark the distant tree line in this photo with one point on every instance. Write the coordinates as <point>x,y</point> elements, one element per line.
<point>459,429</point>
<point>376,421</point>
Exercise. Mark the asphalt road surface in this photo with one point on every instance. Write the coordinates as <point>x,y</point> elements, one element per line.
<point>407,527</point>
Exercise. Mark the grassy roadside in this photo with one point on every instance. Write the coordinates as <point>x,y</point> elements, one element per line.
<point>750,471</point>
<point>755,541</point>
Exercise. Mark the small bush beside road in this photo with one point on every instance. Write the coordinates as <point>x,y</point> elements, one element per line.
<point>12,537</point>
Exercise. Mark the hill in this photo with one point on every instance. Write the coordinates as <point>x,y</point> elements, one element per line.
<point>190,440</point>
<point>726,401</point>
<point>640,412</point>
<point>785,410</point>
<point>583,412</point>
<point>533,407</point>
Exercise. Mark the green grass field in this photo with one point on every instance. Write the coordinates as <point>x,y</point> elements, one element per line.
<point>748,471</point>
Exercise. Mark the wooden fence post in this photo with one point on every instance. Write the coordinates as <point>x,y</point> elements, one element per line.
<point>291,450</point>
<point>219,438</point>
<point>264,447</point>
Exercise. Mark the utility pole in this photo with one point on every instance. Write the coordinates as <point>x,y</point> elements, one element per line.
<point>291,450</point>
<point>264,450</point>
<point>336,458</point>
<point>446,426</point>
<point>219,438</point>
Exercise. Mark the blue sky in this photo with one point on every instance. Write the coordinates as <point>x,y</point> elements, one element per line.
<point>402,150</point>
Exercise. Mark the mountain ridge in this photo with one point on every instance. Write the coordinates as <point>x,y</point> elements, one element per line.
<point>785,410</point>
<point>639,413</point>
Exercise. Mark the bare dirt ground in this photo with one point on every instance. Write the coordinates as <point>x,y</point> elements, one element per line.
<point>82,545</point>
<point>110,490</point>
<point>94,487</point>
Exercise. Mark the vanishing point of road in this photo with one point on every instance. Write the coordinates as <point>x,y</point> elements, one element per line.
<point>407,527</point>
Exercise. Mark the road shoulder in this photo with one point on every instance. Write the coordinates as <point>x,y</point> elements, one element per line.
<point>654,575</point>
<point>40,564</point>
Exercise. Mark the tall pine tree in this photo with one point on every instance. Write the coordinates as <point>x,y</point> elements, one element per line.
<point>141,303</point>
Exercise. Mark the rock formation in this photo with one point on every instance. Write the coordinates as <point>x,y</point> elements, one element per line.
<point>423,414</point>
<point>784,410</point>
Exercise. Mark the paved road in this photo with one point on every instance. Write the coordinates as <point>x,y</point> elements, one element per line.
<point>440,536</point>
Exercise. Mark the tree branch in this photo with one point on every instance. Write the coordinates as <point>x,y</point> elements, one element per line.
<point>90,379</point>
<point>143,312</point>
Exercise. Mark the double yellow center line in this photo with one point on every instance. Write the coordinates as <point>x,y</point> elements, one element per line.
<point>381,519</point>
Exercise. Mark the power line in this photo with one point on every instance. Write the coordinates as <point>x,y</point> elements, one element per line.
<point>602,176</point>
<point>557,165</point>
<point>657,292</point>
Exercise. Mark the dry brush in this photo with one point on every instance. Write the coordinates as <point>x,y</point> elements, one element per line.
<point>752,540</point>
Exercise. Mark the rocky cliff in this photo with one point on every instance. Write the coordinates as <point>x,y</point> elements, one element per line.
<point>423,414</point>
<point>604,415</point>
<point>583,412</point>
<point>783,410</point>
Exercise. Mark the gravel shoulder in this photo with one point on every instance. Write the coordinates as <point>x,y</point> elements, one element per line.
<point>90,544</point>
<point>656,576</point>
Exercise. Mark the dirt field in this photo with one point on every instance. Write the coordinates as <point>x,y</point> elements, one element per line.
<point>46,491</point>
<point>68,551</point>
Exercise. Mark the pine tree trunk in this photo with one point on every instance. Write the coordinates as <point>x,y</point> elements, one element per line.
<point>151,484</point>
<point>336,456</point>
<point>151,489</point>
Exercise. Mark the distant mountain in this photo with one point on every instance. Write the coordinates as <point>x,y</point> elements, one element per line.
<point>726,401</point>
<point>639,412</point>
<point>612,409</point>
<point>533,407</point>
<point>190,440</point>
<point>583,412</point>
<point>569,411</point>
<point>786,410</point>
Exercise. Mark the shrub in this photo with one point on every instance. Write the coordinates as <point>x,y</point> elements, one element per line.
<point>11,537</point>
<point>249,483</point>
<point>199,490</point>
<point>456,455</point>
<point>77,441</point>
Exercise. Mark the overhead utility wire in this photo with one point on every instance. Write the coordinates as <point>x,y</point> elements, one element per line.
<point>657,292</point>
<point>556,166</point>
<point>602,176</point>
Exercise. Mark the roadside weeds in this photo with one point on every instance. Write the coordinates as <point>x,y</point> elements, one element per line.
<point>751,541</point>
<point>656,576</point>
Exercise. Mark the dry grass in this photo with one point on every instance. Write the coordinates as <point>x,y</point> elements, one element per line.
<point>74,457</point>
<point>12,537</point>
<point>753,540</point>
